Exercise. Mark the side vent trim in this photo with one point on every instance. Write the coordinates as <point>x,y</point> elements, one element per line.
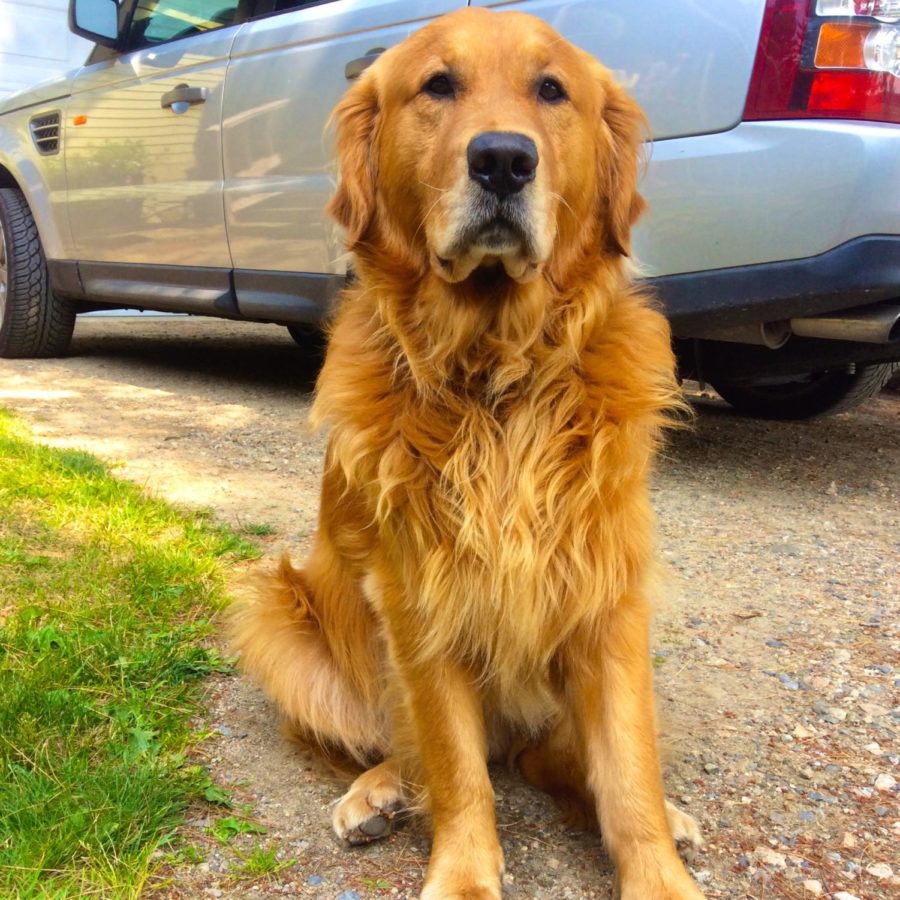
<point>45,132</point>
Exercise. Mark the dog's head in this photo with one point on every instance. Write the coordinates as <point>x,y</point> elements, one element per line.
<point>485,139</point>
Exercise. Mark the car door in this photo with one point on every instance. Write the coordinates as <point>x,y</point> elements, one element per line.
<point>289,68</point>
<point>144,160</point>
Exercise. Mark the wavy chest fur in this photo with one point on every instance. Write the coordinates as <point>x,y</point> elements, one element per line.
<point>510,521</point>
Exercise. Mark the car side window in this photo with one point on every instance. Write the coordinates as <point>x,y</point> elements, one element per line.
<point>158,21</point>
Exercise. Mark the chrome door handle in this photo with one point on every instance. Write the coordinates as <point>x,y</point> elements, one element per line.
<point>356,67</point>
<point>181,97</point>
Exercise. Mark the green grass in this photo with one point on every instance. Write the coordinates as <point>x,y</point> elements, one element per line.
<point>260,863</point>
<point>106,596</point>
<point>258,529</point>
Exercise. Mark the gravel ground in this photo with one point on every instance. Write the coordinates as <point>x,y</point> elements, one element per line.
<point>776,647</point>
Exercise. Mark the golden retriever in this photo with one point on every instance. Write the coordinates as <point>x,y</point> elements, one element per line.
<point>496,388</point>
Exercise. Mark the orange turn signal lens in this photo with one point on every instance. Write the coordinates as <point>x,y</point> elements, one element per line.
<point>842,46</point>
<point>79,120</point>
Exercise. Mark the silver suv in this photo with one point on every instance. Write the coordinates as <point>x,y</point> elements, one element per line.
<point>183,168</point>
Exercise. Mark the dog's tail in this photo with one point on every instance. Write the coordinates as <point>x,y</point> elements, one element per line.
<point>297,651</point>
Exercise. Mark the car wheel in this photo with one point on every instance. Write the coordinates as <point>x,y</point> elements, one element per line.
<point>806,396</point>
<point>308,338</point>
<point>34,322</point>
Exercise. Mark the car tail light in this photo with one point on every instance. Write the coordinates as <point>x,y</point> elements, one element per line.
<point>827,59</point>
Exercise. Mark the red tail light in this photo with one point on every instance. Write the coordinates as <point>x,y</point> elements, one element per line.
<point>837,59</point>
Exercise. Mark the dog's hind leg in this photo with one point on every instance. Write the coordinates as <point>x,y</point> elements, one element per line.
<point>307,637</point>
<point>555,765</point>
<point>369,808</point>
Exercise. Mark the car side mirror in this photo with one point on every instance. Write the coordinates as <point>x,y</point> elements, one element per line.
<point>96,20</point>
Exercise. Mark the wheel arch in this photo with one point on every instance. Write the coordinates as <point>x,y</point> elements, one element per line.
<point>33,184</point>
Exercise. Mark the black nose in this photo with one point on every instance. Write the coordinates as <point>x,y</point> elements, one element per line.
<point>502,162</point>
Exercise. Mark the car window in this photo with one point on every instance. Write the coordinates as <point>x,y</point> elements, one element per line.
<point>157,21</point>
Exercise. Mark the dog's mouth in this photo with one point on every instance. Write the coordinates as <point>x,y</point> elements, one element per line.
<point>493,234</point>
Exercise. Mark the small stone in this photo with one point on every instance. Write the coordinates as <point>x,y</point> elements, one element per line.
<point>710,768</point>
<point>769,857</point>
<point>885,782</point>
<point>553,862</point>
<point>785,549</point>
<point>849,841</point>
<point>315,879</point>
<point>814,887</point>
<point>347,895</point>
<point>874,748</point>
<point>772,642</point>
<point>843,895</point>
<point>800,732</point>
<point>880,871</point>
<point>836,714</point>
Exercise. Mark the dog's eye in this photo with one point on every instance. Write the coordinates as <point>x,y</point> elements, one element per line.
<point>439,86</point>
<point>551,91</point>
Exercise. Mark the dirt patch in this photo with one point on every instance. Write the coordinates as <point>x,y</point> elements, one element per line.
<point>777,651</point>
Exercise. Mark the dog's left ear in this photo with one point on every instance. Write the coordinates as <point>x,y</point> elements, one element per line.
<point>355,119</point>
<point>619,167</point>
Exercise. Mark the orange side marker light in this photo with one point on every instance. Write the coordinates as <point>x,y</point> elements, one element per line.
<point>79,120</point>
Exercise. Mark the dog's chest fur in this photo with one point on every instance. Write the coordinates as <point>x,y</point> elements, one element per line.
<point>495,517</point>
<point>499,523</point>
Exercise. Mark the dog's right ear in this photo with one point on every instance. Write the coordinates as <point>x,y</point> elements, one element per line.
<point>355,119</point>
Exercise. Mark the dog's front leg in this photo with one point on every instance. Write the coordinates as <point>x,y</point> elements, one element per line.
<point>441,730</point>
<point>611,689</point>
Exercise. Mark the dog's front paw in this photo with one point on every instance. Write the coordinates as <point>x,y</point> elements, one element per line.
<point>465,870</point>
<point>368,811</point>
<point>434,891</point>
<point>676,886</point>
<point>685,832</point>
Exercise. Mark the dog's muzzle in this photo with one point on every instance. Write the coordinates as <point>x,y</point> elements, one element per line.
<point>496,223</point>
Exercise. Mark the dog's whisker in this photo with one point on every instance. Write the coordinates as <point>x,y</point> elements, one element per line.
<point>427,214</point>
<point>433,187</point>
<point>564,202</point>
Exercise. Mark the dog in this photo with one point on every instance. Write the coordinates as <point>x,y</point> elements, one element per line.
<point>496,388</point>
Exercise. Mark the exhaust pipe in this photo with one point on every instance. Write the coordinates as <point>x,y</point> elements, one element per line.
<point>766,334</point>
<point>868,324</point>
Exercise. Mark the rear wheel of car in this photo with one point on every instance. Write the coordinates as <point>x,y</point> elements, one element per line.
<point>308,338</point>
<point>34,322</point>
<point>806,396</point>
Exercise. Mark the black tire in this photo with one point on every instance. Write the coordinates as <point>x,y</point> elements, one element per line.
<point>34,322</point>
<point>309,338</point>
<point>804,397</point>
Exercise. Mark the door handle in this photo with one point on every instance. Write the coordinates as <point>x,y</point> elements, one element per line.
<point>181,97</point>
<point>356,67</point>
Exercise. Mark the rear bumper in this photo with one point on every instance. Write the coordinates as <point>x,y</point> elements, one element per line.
<point>862,271</point>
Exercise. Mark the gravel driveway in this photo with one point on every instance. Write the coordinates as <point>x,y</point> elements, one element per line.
<point>776,649</point>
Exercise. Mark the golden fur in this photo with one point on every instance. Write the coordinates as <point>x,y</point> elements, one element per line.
<point>478,581</point>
